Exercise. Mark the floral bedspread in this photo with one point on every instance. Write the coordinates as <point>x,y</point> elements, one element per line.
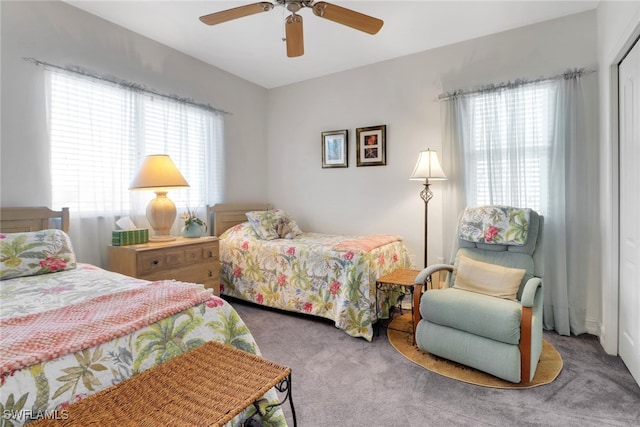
<point>47,388</point>
<point>308,274</point>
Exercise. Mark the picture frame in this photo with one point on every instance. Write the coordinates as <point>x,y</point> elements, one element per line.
<point>335,149</point>
<point>371,146</point>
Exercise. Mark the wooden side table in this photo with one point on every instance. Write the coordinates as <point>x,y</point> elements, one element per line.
<point>405,278</point>
<point>193,260</point>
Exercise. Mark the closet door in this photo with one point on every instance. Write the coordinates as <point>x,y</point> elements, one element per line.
<point>629,303</point>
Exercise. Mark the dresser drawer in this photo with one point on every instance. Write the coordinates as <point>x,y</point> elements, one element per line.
<point>159,260</point>
<point>210,252</point>
<point>193,255</point>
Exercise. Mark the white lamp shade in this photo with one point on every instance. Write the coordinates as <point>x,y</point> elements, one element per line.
<point>158,171</point>
<point>428,167</point>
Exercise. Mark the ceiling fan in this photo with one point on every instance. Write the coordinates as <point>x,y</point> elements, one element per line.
<point>293,23</point>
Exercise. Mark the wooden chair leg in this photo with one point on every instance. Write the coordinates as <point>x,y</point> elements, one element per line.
<point>525,345</point>
<point>417,293</point>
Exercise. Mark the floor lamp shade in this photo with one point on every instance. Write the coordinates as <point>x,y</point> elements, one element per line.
<point>158,173</point>
<point>427,167</point>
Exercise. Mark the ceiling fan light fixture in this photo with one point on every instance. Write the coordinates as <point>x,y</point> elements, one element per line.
<point>294,6</point>
<point>293,24</point>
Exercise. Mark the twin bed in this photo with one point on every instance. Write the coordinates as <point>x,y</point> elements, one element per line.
<point>329,276</point>
<point>69,329</point>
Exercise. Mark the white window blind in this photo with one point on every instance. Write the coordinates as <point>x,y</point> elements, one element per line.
<point>100,131</point>
<point>509,149</point>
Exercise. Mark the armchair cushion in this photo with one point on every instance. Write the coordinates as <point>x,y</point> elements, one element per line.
<point>504,258</point>
<point>477,314</point>
<point>489,279</point>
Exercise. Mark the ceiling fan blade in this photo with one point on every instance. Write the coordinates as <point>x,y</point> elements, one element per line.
<point>347,17</point>
<point>236,12</point>
<point>295,38</point>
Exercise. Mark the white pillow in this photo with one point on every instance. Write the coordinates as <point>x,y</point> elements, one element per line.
<point>488,279</point>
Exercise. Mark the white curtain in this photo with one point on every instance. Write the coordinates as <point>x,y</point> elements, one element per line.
<point>455,131</point>
<point>571,249</point>
<point>525,145</point>
<point>99,132</point>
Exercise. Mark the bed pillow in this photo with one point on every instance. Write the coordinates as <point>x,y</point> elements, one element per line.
<point>32,253</point>
<point>489,279</point>
<point>273,224</point>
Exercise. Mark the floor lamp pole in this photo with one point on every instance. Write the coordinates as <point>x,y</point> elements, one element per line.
<point>426,194</point>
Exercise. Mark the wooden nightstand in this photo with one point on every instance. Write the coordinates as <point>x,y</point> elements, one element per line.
<point>188,260</point>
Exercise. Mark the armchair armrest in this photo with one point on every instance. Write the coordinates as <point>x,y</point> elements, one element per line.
<point>422,276</point>
<point>529,291</point>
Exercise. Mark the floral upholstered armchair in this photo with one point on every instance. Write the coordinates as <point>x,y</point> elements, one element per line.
<point>490,315</point>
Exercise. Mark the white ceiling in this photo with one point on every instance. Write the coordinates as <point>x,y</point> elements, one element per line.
<point>252,47</point>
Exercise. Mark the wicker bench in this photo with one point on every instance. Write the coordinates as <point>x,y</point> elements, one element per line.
<point>206,386</point>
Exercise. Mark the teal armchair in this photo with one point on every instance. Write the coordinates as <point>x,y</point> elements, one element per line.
<point>489,315</point>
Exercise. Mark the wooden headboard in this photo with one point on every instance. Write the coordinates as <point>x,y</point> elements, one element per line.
<point>16,220</point>
<point>225,215</point>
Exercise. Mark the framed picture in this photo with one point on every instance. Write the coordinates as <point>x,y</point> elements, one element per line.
<point>335,153</point>
<point>371,145</point>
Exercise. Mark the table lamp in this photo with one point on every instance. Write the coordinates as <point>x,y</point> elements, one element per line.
<point>427,167</point>
<point>158,173</point>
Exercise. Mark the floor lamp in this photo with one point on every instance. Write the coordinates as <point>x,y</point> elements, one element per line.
<point>427,168</point>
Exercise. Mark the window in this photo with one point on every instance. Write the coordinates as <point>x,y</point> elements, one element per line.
<point>100,131</point>
<point>532,144</point>
<point>507,155</point>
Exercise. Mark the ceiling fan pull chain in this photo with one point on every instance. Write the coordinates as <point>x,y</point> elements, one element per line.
<point>284,27</point>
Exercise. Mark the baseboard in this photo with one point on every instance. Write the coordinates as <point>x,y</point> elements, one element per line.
<point>609,343</point>
<point>593,327</point>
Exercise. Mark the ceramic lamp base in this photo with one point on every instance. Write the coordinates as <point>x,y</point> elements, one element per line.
<point>161,213</point>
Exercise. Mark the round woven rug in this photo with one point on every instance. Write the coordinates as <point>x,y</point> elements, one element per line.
<point>399,333</point>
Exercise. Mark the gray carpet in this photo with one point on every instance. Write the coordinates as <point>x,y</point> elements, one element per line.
<point>339,380</point>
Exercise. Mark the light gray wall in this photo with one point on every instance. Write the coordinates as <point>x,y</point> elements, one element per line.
<point>60,34</point>
<point>618,27</point>
<point>284,167</point>
<point>401,93</point>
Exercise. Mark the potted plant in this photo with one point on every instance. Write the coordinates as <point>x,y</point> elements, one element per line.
<point>193,226</point>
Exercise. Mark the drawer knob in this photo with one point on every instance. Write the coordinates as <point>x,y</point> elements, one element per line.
<point>155,262</point>
<point>210,273</point>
